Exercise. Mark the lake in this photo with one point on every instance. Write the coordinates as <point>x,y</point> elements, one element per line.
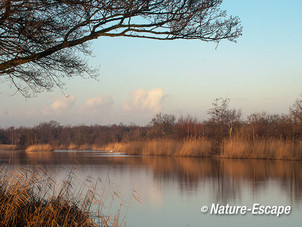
<point>172,191</point>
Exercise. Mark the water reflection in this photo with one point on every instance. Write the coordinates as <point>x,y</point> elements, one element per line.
<point>227,178</point>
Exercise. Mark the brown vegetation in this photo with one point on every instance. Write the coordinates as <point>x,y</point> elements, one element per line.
<point>112,147</point>
<point>262,149</point>
<point>168,147</point>
<point>8,147</point>
<point>28,198</point>
<point>230,148</point>
<point>224,134</point>
<point>40,147</point>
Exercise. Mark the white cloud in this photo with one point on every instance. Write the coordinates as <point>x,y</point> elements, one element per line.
<point>146,100</point>
<point>61,104</point>
<point>105,100</point>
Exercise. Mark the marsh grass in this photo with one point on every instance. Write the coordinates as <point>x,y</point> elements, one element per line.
<point>230,148</point>
<point>71,147</point>
<point>167,147</point>
<point>30,198</point>
<point>116,147</point>
<point>262,149</point>
<point>40,147</point>
<point>8,147</point>
<point>241,148</point>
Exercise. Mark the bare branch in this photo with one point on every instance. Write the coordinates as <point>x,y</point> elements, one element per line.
<point>40,39</point>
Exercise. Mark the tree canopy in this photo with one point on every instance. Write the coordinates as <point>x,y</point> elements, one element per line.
<point>42,41</point>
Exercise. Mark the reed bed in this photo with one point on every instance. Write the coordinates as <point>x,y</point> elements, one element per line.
<point>230,148</point>
<point>113,147</point>
<point>116,147</point>
<point>262,149</point>
<point>8,147</point>
<point>168,148</point>
<point>40,147</point>
<point>72,147</point>
<point>30,198</point>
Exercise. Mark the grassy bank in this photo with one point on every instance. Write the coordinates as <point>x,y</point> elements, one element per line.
<point>29,198</point>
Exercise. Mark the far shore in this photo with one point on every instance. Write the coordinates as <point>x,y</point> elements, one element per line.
<point>114,147</point>
<point>276,149</point>
<point>9,147</point>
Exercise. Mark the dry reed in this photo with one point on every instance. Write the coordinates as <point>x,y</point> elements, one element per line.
<point>113,147</point>
<point>231,148</point>
<point>168,148</point>
<point>28,198</point>
<point>262,149</point>
<point>8,147</point>
<point>72,147</point>
<point>39,147</point>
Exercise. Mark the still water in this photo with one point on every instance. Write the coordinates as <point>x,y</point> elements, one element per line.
<point>170,191</point>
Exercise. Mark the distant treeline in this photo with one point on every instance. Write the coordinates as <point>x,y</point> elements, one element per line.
<point>223,123</point>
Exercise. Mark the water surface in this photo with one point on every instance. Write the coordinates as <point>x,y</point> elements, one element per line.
<point>172,190</point>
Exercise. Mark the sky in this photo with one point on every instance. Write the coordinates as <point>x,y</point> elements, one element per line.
<point>139,78</point>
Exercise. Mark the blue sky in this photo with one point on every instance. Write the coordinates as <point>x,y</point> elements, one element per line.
<point>139,78</point>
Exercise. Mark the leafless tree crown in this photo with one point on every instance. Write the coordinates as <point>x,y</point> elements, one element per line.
<point>42,41</point>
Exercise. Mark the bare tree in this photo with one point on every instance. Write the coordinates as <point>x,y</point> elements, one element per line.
<point>162,125</point>
<point>296,110</point>
<point>296,117</point>
<point>222,115</point>
<point>43,41</point>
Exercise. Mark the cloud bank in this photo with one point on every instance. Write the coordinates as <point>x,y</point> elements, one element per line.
<point>60,105</point>
<point>145,100</point>
<point>102,100</point>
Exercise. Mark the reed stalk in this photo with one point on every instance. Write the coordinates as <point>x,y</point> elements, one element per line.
<point>29,198</point>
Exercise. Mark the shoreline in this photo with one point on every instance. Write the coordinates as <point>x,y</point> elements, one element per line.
<point>264,149</point>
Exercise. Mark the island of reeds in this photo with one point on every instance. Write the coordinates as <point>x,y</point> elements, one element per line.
<point>224,135</point>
